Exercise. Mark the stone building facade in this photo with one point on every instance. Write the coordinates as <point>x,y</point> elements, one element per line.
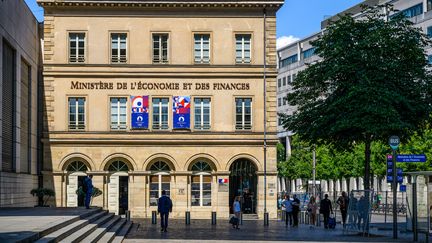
<point>19,74</point>
<point>161,95</point>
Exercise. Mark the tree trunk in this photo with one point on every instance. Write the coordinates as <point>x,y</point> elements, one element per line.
<point>367,164</point>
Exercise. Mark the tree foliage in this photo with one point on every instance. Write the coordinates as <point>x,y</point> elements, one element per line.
<point>371,83</point>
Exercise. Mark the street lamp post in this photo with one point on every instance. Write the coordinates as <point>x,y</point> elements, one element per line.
<point>314,171</point>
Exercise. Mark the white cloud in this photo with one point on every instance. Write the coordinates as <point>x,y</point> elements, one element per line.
<point>285,40</point>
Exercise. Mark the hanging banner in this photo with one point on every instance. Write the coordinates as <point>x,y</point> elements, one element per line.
<point>140,110</point>
<point>181,112</point>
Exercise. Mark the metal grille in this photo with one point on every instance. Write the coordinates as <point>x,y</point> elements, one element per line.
<point>8,107</point>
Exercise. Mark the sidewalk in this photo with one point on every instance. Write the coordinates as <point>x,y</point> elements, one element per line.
<point>253,230</point>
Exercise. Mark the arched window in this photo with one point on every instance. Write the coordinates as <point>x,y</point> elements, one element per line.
<point>77,166</point>
<point>160,180</point>
<point>117,166</point>
<point>201,182</point>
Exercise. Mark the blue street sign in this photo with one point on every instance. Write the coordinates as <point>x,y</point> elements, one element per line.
<point>390,179</point>
<point>411,158</point>
<point>390,164</point>
<point>402,188</point>
<point>399,171</point>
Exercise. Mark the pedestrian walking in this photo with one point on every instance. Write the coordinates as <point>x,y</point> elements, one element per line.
<point>326,209</point>
<point>287,204</point>
<point>312,208</point>
<point>343,202</point>
<point>296,210</point>
<point>164,208</point>
<point>237,212</point>
<point>88,190</point>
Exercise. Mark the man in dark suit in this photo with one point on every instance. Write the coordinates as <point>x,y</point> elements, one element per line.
<point>164,208</point>
<point>326,209</point>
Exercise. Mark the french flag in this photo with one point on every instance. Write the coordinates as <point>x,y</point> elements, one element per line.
<point>223,181</point>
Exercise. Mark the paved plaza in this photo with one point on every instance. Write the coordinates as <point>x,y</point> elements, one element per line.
<point>251,231</point>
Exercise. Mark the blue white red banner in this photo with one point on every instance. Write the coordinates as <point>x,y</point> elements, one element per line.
<point>140,110</point>
<point>223,181</point>
<point>181,112</point>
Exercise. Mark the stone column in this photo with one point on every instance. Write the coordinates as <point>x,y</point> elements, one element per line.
<point>361,184</point>
<point>344,185</point>
<point>331,186</point>
<point>271,195</point>
<point>293,186</point>
<point>337,186</point>
<point>220,201</point>
<point>180,193</point>
<point>137,193</point>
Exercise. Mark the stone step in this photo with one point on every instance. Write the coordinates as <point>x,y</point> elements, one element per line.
<point>111,233</point>
<point>123,232</point>
<point>88,229</point>
<point>99,232</point>
<point>56,225</point>
<point>64,232</point>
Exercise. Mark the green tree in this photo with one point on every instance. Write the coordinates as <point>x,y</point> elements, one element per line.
<point>371,83</point>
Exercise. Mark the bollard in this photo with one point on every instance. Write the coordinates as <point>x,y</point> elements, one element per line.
<point>127,215</point>
<point>154,217</point>
<point>187,218</point>
<point>241,219</point>
<point>283,216</point>
<point>318,220</point>
<point>213,218</point>
<point>266,219</point>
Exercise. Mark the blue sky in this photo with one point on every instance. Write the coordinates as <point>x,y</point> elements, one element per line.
<point>296,19</point>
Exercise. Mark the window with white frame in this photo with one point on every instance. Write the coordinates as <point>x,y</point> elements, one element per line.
<point>160,113</point>
<point>76,47</point>
<point>202,113</point>
<point>118,47</point>
<point>159,181</point>
<point>76,113</point>
<point>243,113</point>
<point>118,113</point>
<point>201,182</point>
<point>243,48</point>
<point>160,48</point>
<point>202,48</point>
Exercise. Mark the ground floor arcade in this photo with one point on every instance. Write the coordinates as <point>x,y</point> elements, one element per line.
<point>200,180</point>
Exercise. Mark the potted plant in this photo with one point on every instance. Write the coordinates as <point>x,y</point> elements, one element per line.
<point>44,194</point>
<point>96,193</point>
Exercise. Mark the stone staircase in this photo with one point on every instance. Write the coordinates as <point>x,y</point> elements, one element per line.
<point>95,226</point>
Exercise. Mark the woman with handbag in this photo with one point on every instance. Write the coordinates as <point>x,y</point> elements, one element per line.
<point>312,208</point>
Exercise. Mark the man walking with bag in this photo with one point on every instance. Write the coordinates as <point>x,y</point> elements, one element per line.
<point>164,208</point>
<point>326,209</point>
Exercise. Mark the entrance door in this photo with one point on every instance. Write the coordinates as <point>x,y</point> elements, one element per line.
<point>123,194</point>
<point>74,199</point>
<point>71,188</point>
<point>113,195</point>
<point>243,183</point>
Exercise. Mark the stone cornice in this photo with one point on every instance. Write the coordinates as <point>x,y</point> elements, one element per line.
<point>163,3</point>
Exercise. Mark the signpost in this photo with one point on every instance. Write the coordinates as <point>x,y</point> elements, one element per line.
<point>394,144</point>
<point>411,158</point>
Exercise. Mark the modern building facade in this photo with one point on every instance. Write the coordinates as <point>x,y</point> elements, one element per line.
<point>295,57</point>
<point>161,95</point>
<point>19,74</point>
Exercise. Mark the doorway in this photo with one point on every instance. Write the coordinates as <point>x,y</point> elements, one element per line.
<point>81,195</point>
<point>243,183</point>
<point>123,194</point>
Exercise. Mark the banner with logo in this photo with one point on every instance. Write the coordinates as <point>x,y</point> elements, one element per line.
<point>181,112</point>
<point>140,110</point>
